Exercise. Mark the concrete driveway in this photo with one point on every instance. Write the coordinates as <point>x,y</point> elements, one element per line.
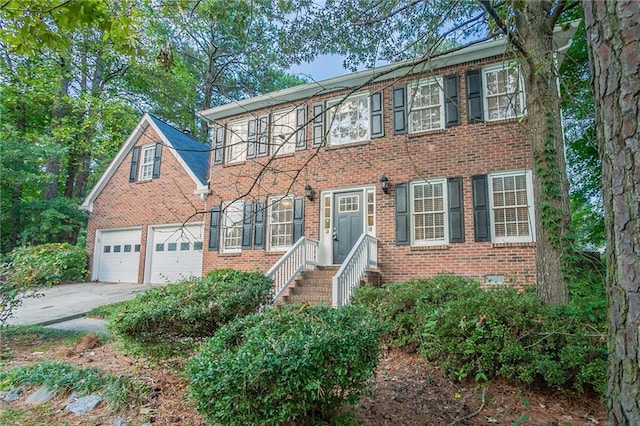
<point>66,302</point>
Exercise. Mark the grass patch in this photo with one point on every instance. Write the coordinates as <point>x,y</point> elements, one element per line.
<point>64,378</point>
<point>36,415</point>
<point>34,338</point>
<point>107,312</point>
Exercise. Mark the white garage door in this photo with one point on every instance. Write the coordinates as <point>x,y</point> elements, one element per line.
<point>118,255</point>
<point>176,253</point>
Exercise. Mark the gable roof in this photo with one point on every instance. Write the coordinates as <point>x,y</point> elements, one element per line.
<point>562,40</point>
<point>192,154</point>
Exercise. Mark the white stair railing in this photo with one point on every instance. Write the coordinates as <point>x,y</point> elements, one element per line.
<point>303,255</point>
<point>363,256</point>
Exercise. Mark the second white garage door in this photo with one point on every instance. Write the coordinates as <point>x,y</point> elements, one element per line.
<point>176,253</point>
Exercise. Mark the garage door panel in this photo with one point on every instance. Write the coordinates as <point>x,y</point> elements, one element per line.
<point>176,253</point>
<point>119,255</point>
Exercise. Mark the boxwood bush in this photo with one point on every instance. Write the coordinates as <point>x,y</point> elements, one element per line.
<point>192,309</point>
<point>500,332</point>
<point>294,365</point>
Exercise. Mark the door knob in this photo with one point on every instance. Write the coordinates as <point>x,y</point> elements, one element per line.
<point>335,234</point>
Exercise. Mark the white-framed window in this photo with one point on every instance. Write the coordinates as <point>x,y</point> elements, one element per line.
<point>349,119</point>
<point>426,105</point>
<point>280,226</point>
<point>232,227</point>
<point>429,219</point>
<point>147,156</point>
<point>512,215</point>
<point>236,143</point>
<point>503,92</point>
<point>283,132</point>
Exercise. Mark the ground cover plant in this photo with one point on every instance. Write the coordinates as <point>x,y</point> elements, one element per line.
<point>191,310</point>
<point>293,365</point>
<point>500,332</point>
<point>64,378</point>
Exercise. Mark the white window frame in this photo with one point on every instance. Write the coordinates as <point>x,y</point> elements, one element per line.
<point>530,208</point>
<point>283,131</point>
<point>445,213</point>
<point>518,94</point>
<point>146,164</point>
<point>413,109</point>
<point>236,141</point>
<point>272,201</point>
<point>338,106</point>
<point>228,223</point>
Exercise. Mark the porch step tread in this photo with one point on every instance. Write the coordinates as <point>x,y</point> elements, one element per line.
<point>308,288</point>
<point>308,298</point>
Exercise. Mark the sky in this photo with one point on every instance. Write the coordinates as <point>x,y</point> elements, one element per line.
<point>324,67</point>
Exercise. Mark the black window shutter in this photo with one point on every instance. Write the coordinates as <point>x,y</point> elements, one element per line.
<point>481,208</point>
<point>377,118</point>
<point>301,126</point>
<point>258,235</point>
<point>214,228</point>
<point>298,218</point>
<point>474,96</point>
<point>399,110</point>
<point>318,124</point>
<point>402,214</point>
<point>251,138</point>
<point>133,171</point>
<point>451,100</point>
<point>263,136</point>
<point>157,159</point>
<point>218,144</point>
<point>456,214</point>
<point>247,221</point>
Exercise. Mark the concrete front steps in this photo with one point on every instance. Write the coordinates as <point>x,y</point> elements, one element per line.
<point>314,287</point>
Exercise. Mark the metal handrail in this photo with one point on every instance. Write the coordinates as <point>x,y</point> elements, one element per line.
<point>363,256</point>
<point>303,255</point>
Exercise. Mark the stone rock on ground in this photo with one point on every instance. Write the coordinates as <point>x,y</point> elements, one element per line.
<point>42,395</point>
<point>84,404</point>
<point>12,395</point>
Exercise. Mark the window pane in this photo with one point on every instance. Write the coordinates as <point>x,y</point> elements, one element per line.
<point>127,248</point>
<point>280,227</point>
<point>349,120</point>
<point>428,212</point>
<point>160,247</point>
<point>510,206</point>
<point>184,246</point>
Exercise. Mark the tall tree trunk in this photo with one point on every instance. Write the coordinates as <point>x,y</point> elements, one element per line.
<point>613,36</point>
<point>60,111</point>
<point>554,242</point>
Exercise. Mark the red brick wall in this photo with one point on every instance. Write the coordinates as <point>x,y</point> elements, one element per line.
<point>168,199</point>
<point>463,150</point>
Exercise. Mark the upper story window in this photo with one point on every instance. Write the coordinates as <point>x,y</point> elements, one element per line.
<point>283,132</point>
<point>429,213</point>
<point>232,227</point>
<point>511,207</point>
<point>349,119</point>
<point>426,105</point>
<point>236,144</point>
<point>504,94</point>
<point>280,226</point>
<point>146,162</point>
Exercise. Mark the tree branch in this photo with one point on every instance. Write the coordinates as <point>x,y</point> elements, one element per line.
<point>513,38</point>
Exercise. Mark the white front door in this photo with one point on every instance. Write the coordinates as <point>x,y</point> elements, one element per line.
<point>176,253</point>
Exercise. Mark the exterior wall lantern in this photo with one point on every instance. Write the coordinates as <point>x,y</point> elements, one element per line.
<point>384,184</point>
<point>308,191</point>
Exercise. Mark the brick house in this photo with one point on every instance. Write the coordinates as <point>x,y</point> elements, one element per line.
<point>398,172</point>
<point>143,225</point>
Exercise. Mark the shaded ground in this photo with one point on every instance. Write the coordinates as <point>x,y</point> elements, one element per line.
<point>406,391</point>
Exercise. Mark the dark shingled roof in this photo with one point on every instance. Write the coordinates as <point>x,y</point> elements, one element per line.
<point>194,153</point>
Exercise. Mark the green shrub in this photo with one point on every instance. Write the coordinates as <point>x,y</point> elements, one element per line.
<point>27,269</point>
<point>294,365</point>
<point>191,309</point>
<point>46,264</point>
<point>396,304</point>
<point>499,332</point>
